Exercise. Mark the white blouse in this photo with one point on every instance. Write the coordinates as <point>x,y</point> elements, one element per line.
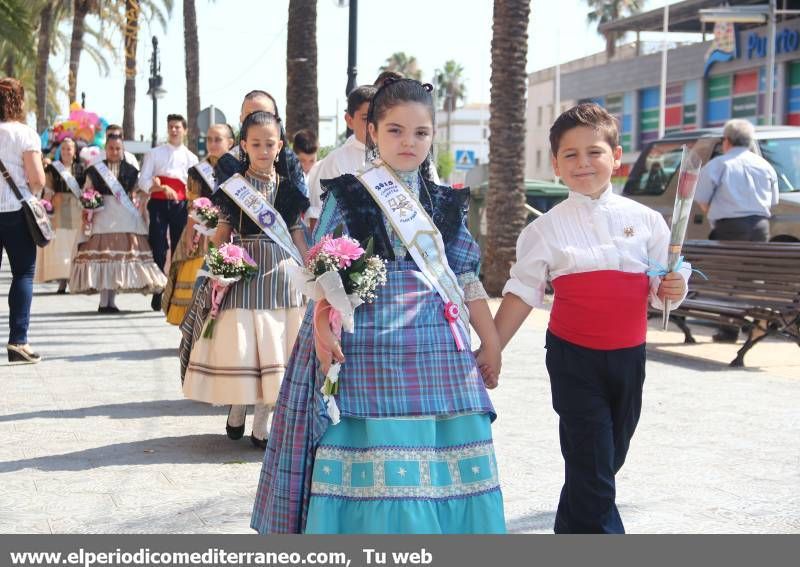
<point>582,234</point>
<point>15,139</point>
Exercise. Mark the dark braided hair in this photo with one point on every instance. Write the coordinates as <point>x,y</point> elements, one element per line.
<point>283,165</point>
<point>258,118</point>
<point>399,91</point>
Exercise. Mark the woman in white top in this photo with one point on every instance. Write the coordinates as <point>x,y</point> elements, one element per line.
<point>21,154</point>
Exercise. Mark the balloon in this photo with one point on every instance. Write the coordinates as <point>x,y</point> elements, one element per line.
<point>75,106</point>
<point>86,133</point>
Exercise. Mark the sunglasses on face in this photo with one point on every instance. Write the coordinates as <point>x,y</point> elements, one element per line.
<point>113,136</point>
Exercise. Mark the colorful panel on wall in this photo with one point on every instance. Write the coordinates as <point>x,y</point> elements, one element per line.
<point>681,107</point>
<point>621,106</point>
<point>648,115</point>
<point>738,95</point>
<point>793,96</point>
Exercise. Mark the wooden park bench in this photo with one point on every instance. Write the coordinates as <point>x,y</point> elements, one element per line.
<point>752,285</point>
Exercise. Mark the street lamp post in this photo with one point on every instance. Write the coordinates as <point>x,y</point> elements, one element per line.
<point>352,42</point>
<point>156,91</point>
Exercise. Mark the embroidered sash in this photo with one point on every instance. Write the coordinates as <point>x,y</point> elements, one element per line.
<point>419,235</point>
<point>205,171</point>
<point>68,178</point>
<point>113,185</point>
<point>262,213</point>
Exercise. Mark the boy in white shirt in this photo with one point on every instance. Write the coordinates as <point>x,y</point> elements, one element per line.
<point>347,158</point>
<point>595,248</point>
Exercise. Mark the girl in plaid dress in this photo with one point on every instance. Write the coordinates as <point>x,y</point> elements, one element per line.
<point>413,451</point>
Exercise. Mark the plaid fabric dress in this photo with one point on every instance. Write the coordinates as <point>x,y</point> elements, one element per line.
<point>415,412</point>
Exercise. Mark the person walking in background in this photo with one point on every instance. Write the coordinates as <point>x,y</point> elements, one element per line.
<point>164,175</point>
<point>347,158</point>
<point>306,146</point>
<point>64,179</point>
<point>189,253</point>
<point>20,165</point>
<point>243,362</point>
<point>736,191</point>
<point>114,256</point>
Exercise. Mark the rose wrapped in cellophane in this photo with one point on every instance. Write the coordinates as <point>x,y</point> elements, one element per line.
<point>91,202</point>
<point>206,217</point>
<point>684,197</point>
<point>341,271</point>
<point>226,265</point>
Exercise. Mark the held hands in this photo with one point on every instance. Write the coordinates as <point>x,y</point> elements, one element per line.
<point>326,344</point>
<point>168,191</point>
<point>672,287</point>
<point>489,359</point>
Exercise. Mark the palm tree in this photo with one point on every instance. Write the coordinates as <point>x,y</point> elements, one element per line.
<point>603,11</point>
<point>400,62</point>
<point>450,90</point>
<point>50,15</point>
<point>302,110</point>
<point>15,31</point>
<point>506,214</point>
<point>192,54</point>
<point>158,10</point>
<point>80,10</point>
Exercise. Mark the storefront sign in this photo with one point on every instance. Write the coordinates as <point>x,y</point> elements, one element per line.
<point>786,41</point>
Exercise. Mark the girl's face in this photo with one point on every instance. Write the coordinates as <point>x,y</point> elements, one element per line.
<point>114,151</point>
<point>67,151</point>
<point>218,141</point>
<point>263,143</point>
<point>404,135</point>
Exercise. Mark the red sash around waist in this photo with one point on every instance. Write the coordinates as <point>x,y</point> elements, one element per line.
<point>602,310</point>
<point>176,184</point>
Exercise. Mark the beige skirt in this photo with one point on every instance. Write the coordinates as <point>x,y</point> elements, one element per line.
<point>244,361</point>
<point>53,261</point>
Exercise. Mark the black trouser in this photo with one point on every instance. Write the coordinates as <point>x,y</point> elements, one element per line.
<point>598,397</point>
<point>165,215</point>
<point>753,228</point>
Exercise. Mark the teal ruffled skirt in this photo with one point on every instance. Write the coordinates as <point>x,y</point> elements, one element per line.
<point>429,475</point>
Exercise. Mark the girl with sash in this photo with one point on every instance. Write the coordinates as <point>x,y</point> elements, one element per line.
<point>189,254</point>
<point>413,450</point>
<point>258,320</point>
<point>64,179</point>
<point>116,256</point>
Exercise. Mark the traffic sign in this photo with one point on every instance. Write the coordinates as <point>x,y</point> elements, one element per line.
<point>465,159</point>
<point>205,116</point>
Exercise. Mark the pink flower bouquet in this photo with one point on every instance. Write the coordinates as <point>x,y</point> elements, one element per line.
<point>92,202</point>
<point>227,264</point>
<point>344,273</point>
<point>206,215</point>
<point>48,206</point>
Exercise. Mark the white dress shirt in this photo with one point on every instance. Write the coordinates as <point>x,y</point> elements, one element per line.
<point>167,160</point>
<point>15,139</point>
<point>348,158</point>
<point>582,234</point>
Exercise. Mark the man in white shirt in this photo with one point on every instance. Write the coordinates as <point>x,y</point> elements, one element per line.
<point>347,158</point>
<point>164,174</point>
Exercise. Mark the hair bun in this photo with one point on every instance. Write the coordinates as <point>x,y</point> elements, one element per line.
<point>428,87</point>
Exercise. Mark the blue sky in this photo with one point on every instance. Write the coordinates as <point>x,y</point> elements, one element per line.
<point>243,46</point>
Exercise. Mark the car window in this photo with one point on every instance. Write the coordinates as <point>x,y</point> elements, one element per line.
<point>784,155</point>
<point>659,165</point>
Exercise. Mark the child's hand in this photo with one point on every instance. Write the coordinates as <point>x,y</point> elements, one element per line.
<point>326,344</point>
<point>489,359</point>
<point>672,287</point>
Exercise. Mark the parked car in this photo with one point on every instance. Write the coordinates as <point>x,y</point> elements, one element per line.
<point>653,179</point>
<point>539,195</point>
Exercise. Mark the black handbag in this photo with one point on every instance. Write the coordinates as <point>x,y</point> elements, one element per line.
<point>35,214</point>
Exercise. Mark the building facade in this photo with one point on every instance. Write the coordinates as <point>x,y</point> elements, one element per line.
<point>468,137</point>
<point>708,83</point>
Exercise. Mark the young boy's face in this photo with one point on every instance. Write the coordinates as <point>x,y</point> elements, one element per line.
<point>585,161</point>
<point>307,161</point>
<point>358,122</point>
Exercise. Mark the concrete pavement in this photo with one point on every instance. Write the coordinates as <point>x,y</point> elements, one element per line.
<point>97,438</point>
